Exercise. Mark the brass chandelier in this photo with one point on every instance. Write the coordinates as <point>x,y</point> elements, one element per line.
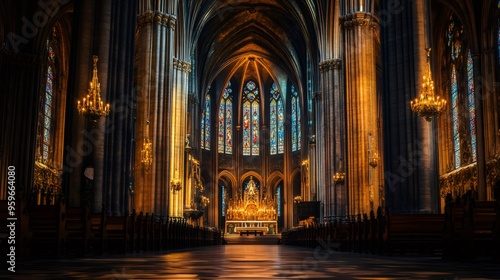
<point>92,105</point>
<point>428,105</point>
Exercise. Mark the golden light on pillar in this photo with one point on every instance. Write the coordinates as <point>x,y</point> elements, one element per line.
<point>92,105</point>
<point>428,105</point>
<point>339,176</point>
<point>147,150</point>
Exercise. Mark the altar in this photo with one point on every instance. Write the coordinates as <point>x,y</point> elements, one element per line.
<point>250,214</point>
<point>251,227</point>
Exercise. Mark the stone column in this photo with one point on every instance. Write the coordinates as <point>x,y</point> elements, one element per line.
<point>154,64</point>
<point>119,137</point>
<point>362,118</point>
<point>178,131</point>
<point>333,132</point>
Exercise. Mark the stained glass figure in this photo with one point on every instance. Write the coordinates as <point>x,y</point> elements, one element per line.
<point>251,119</point>
<point>277,134</point>
<point>296,134</point>
<point>225,122</point>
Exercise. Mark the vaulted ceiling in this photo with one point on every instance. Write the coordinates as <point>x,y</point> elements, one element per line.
<point>278,33</point>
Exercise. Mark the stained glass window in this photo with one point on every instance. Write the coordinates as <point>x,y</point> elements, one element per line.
<point>46,119</point>
<point>454,34</point>
<point>225,121</point>
<point>223,200</point>
<point>498,31</point>
<point>278,200</point>
<point>251,143</point>
<point>471,105</point>
<point>205,124</point>
<point>277,140</point>
<point>455,116</point>
<point>296,134</point>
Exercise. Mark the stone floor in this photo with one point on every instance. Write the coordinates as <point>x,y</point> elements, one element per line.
<point>252,262</point>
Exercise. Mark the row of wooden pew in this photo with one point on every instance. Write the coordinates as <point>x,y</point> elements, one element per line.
<point>57,230</point>
<point>468,229</point>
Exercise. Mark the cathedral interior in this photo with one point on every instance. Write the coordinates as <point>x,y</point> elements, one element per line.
<point>249,116</point>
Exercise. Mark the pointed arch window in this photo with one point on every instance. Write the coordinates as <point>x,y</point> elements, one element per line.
<point>498,32</point>
<point>276,119</point>
<point>206,123</point>
<point>47,112</point>
<point>471,105</point>
<point>296,135</point>
<point>278,201</point>
<point>225,116</point>
<point>223,195</point>
<point>251,117</point>
<point>463,126</point>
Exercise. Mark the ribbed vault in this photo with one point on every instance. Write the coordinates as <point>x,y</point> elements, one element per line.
<point>279,33</point>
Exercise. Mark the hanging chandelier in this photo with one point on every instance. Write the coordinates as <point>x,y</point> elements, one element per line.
<point>92,105</point>
<point>339,176</point>
<point>428,105</point>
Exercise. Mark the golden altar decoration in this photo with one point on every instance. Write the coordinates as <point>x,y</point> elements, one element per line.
<point>251,212</point>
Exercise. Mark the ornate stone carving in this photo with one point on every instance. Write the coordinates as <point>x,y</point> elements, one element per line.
<point>225,162</point>
<point>359,19</point>
<point>159,18</point>
<point>182,65</point>
<point>277,163</point>
<point>330,64</point>
<point>458,181</point>
<point>193,99</point>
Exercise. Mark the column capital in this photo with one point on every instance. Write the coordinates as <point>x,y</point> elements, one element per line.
<point>359,19</point>
<point>330,64</point>
<point>157,17</point>
<point>182,65</point>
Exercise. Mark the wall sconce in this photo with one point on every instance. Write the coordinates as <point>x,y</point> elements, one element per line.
<point>372,153</point>
<point>297,199</point>
<point>176,185</point>
<point>339,177</point>
<point>373,161</point>
<point>205,201</point>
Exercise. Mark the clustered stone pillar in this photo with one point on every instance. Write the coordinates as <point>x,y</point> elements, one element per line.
<point>178,132</point>
<point>362,118</point>
<point>333,132</point>
<point>154,65</point>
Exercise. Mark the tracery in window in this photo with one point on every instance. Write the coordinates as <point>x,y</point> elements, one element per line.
<point>206,124</point>
<point>225,119</point>
<point>296,134</point>
<point>277,140</point>
<point>251,116</point>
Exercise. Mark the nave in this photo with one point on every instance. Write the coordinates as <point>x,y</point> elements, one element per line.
<point>254,262</point>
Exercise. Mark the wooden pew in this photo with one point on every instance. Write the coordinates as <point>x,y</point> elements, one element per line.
<point>47,230</point>
<point>479,223</point>
<point>414,232</point>
<point>77,232</point>
<point>116,234</point>
<point>96,233</point>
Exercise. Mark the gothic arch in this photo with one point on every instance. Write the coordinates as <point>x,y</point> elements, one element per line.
<point>465,12</point>
<point>273,179</point>
<point>229,178</point>
<point>256,175</point>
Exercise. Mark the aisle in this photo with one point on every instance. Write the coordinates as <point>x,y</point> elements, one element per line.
<point>253,262</point>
